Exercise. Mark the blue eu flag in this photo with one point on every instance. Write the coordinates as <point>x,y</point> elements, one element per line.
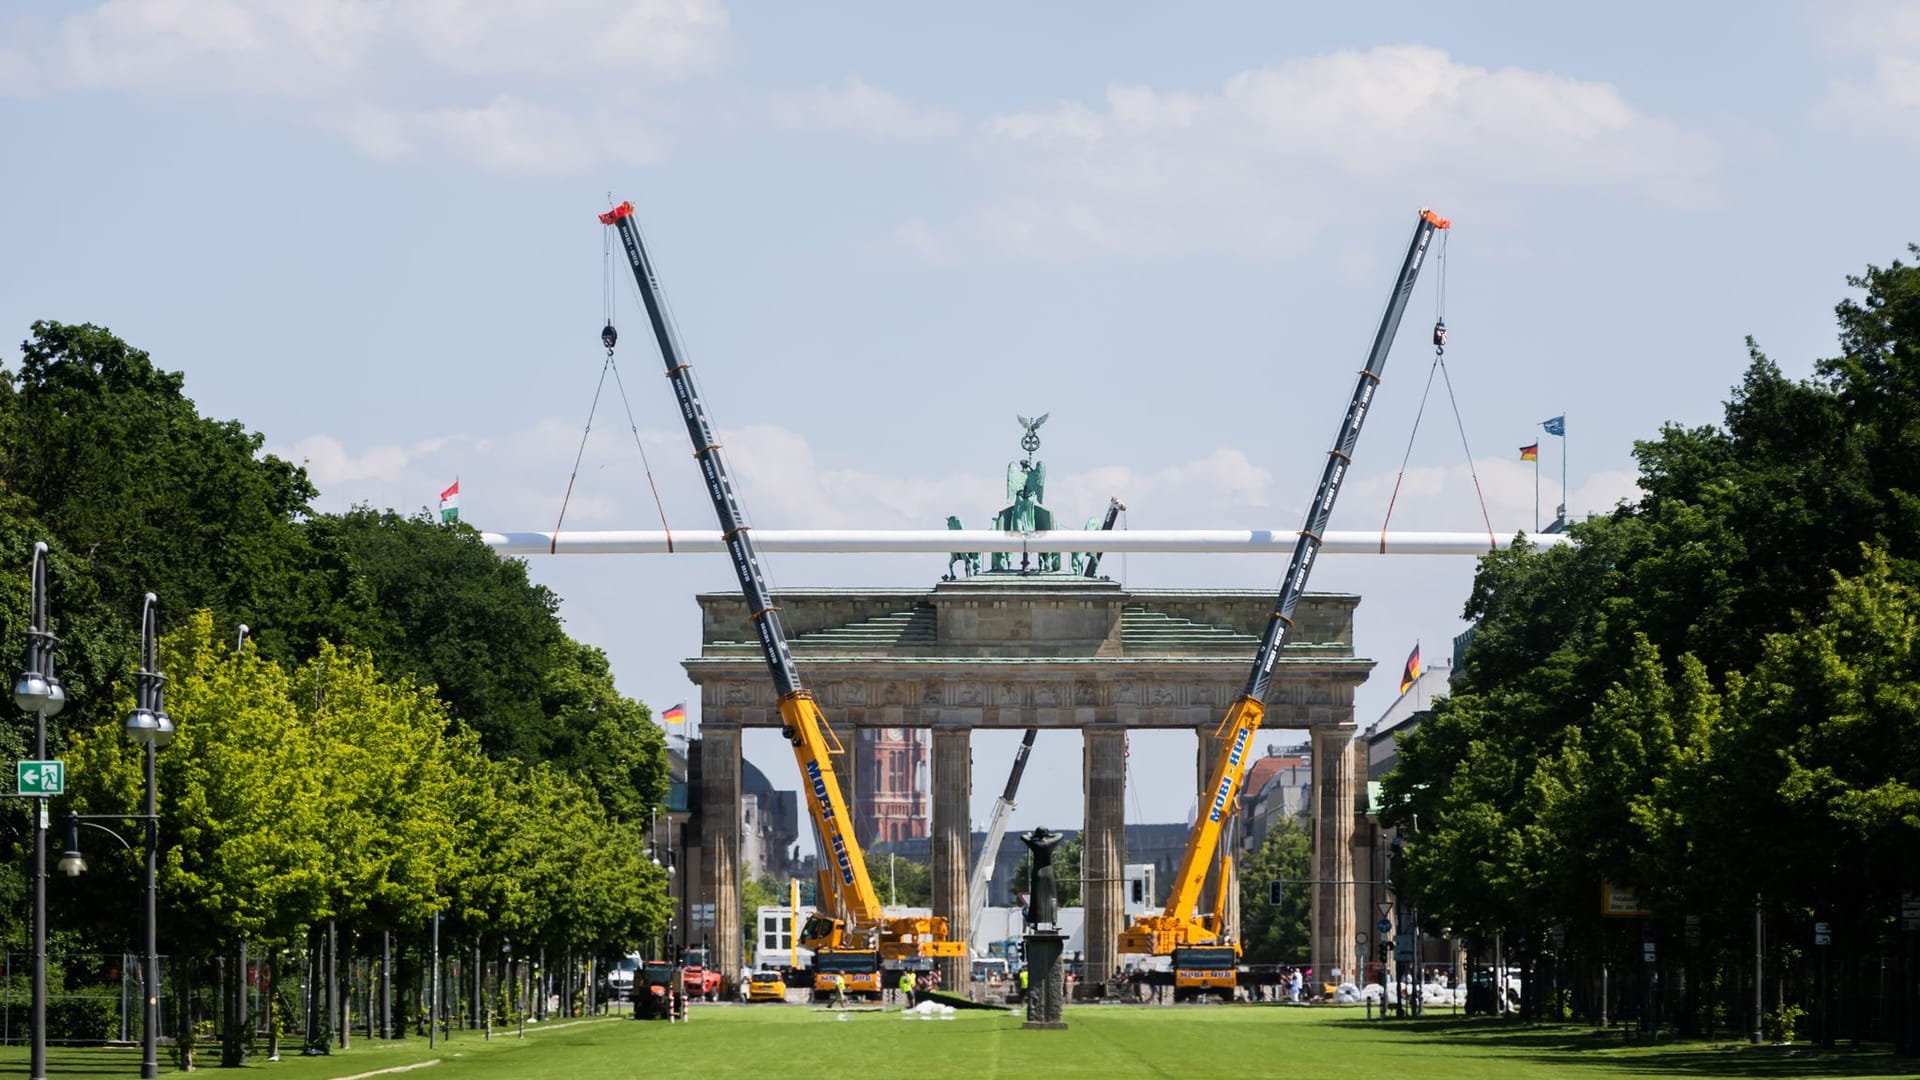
<point>1556,426</point>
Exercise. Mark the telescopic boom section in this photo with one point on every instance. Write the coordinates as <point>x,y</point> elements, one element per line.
<point>1179,925</point>
<point>813,746</point>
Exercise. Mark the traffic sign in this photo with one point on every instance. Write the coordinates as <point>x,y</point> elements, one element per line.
<point>40,777</point>
<point>1360,938</point>
<point>1385,926</point>
<point>1822,933</point>
<point>1384,908</point>
<point>1909,912</point>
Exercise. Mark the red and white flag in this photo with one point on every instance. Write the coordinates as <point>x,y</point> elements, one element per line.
<point>450,503</point>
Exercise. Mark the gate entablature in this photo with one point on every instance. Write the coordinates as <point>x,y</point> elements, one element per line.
<point>1046,651</point>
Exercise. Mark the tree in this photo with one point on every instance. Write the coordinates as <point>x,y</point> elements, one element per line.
<point>434,602</point>
<point>1270,933</point>
<point>756,893</point>
<point>247,846</point>
<point>125,472</point>
<point>608,740</point>
<point>900,880</point>
<point>1709,695</point>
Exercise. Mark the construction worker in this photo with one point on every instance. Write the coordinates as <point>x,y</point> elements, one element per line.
<point>1023,984</point>
<point>839,991</point>
<point>906,988</point>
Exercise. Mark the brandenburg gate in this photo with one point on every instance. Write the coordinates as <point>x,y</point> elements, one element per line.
<point>1049,650</point>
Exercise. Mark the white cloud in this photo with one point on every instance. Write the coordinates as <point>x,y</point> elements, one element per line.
<point>1882,102</point>
<point>329,462</point>
<point>1257,164</point>
<point>637,38</point>
<point>493,82</point>
<point>505,133</point>
<point>855,108</point>
<point>292,48</point>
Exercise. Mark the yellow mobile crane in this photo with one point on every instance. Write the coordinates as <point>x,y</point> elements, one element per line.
<point>1204,960</point>
<point>849,933</point>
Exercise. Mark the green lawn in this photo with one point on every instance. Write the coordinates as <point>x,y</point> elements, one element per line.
<point>798,1043</point>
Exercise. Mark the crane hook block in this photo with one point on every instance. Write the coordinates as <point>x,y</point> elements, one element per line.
<point>608,336</point>
<point>1439,334</point>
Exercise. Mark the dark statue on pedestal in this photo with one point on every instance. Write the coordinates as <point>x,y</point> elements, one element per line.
<point>1045,944</point>
<point>1043,911</point>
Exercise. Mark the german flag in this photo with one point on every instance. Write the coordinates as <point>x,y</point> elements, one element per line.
<point>1530,453</point>
<point>675,715</point>
<point>1412,673</point>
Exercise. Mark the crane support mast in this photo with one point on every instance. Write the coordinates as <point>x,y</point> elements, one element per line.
<point>1179,925</point>
<point>854,920</point>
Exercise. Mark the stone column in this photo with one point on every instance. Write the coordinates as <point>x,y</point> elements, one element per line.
<point>1333,892</point>
<point>1206,755</point>
<point>1104,773</point>
<point>952,833</point>
<point>720,845</point>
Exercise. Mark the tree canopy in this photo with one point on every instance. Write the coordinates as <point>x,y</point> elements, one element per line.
<point>1713,692</point>
<point>407,731</point>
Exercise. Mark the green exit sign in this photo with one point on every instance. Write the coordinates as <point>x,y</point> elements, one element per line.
<point>40,777</point>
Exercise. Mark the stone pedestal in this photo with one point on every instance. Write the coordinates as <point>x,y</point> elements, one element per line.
<point>1046,981</point>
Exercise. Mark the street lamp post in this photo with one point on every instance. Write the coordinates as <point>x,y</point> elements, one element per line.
<point>37,691</point>
<point>149,725</point>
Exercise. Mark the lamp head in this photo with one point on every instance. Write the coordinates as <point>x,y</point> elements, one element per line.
<point>30,691</point>
<point>56,696</point>
<point>162,729</point>
<point>142,725</point>
<point>72,863</point>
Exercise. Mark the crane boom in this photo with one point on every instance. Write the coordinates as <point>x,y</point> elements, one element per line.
<point>852,916</point>
<point>990,849</point>
<point>1114,506</point>
<point>1178,924</point>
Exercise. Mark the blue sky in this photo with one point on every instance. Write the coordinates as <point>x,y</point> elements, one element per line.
<point>366,228</point>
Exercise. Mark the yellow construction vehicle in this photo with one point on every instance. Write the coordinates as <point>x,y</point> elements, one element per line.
<point>849,928</point>
<point>1199,944</point>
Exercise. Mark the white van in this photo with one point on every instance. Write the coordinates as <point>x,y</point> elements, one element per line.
<point>620,976</point>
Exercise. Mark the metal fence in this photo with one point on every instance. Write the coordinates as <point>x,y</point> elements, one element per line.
<point>92,998</point>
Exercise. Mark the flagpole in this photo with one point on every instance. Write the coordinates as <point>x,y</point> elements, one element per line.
<point>1565,499</point>
<point>1536,488</point>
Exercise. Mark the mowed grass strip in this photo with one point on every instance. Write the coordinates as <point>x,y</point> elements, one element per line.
<point>798,1043</point>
